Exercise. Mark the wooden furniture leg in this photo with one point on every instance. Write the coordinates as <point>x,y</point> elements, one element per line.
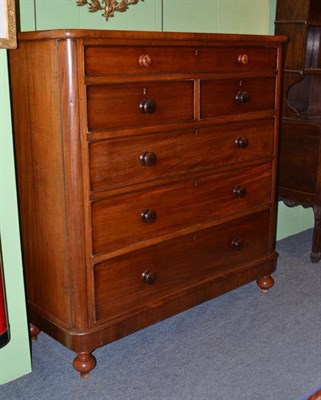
<point>316,244</point>
<point>84,363</point>
<point>34,332</point>
<point>265,282</point>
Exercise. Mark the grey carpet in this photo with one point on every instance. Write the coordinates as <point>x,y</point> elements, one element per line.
<point>241,346</point>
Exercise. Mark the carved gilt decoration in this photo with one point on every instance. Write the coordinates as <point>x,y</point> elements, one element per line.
<point>109,7</point>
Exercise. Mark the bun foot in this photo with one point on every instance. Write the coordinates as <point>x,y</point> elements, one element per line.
<point>34,332</point>
<point>84,363</point>
<point>265,282</point>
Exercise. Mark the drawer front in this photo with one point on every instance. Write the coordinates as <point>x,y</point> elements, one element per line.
<point>133,281</point>
<point>134,217</point>
<point>234,96</point>
<point>121,162</point>
<point>128,105</point>
<point>103,60</point>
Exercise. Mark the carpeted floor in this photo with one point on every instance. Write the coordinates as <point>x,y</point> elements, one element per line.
<point>241,346</point>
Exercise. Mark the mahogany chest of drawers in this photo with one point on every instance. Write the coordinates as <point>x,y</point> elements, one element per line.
<point>146,175</point>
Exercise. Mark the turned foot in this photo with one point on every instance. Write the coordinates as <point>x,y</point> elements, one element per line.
<point>316,244</point>
<point>84,363</point>
<point>34,332</point>
<point>265,282</point>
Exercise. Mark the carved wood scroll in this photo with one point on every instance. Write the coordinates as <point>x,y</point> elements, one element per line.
<point>109,7</point>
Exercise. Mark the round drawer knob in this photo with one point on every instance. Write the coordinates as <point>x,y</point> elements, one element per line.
<point>237,244</point>
<point>243,59</point>
<point>241,142</point>
<point>149,277</point>
<point>148,106</point>
<point>148,158</point>
<point>148,216</point>
<point>242,97</point>
<point>145,60</point>
<point>239,191</point>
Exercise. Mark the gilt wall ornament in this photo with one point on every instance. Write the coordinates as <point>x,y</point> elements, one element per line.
<point>109,7</point>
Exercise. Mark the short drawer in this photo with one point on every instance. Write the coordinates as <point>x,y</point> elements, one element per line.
<point>138,279</point>
<point>113,106</point>
<point>121,162</point>
<point>120,60</point>
<point>234,96</point>
<point>137,216</point>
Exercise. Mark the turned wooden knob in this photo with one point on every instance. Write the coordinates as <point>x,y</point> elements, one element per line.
<point>239,191</point>
<point>242,97</point>
<point>148,158</point>
<point>148,106</point>
<point>243,59</point>
<point>237,244</point>
<point>149,277</point>
<point>145,60</point>
<point>148,216</point>
<point>241,142</point>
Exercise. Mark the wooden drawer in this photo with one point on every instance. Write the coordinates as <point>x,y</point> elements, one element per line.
<point>127,161</point>
<point>234,96</point>
<point>104,60</point>
<point>176,264</point>
<point>134,217</point>
<point>141,103</point>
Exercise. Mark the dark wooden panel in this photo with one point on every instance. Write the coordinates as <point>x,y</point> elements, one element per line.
<point>295,49</point>
<point>117,220</point>
<point>293,10</point>
<point>299,156</point>
<point>176,264</point>
<point>118,105</point>
<point>218,96</point>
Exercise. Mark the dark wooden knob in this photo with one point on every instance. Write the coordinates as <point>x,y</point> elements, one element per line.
<point>237,244</point>
<point>243,59</point>
<point>239,191</point>
<point>241,142</point>
<point>148,106</point>
<point>145,60</point>
<point>149,277</point>
<point>148,216</point>
<point>148,158</point>
<point>242,97</point>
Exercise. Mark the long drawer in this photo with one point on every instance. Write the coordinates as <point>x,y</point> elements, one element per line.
<point>136,216</point>
<point>136,280</point>
<point>120,60</point>
<point>234,96</point>
<point>121,162</point>
<point>141,103</point>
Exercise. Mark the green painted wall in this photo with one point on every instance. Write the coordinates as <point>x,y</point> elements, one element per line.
<point>228,16</point>
<point>225,16</point>
<point>15,356</point>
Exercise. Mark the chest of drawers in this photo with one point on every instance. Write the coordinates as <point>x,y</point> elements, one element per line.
<point>146,175</point>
